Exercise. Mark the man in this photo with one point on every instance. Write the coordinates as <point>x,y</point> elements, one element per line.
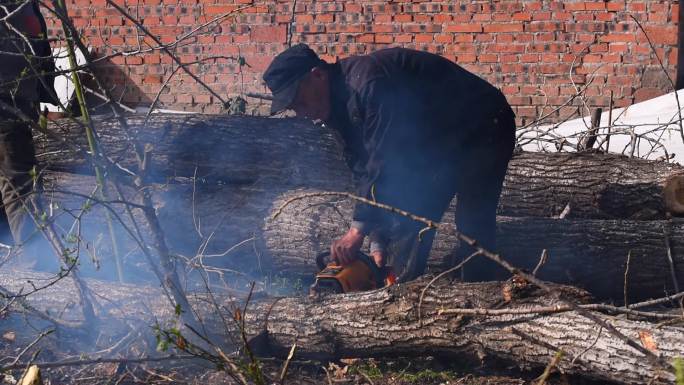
<point>26,79</point>
<point>418,129</point>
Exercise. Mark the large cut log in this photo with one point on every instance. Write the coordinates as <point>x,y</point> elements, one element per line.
<point>387,323</point>
<point>588,253</point>
<point>279,154</point>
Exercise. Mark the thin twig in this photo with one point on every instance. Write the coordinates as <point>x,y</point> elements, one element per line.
<point>542,261</point>
<point>286,365</point>
<point>539,310</point>
<point>670,261</point>
<point>32,344</point>
<point>442,274</point>
<point>550,367</point>
<point>624,287</point>
<point>598,335</point>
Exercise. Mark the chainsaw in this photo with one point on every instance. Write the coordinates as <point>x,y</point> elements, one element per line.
<point>361,275</point>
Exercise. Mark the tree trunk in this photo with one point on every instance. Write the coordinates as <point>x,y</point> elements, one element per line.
<point>588,253</point>
<point>385,323</point>
<point>281,154</point>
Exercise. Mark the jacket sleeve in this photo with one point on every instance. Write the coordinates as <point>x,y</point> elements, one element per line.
<point>388,124</point>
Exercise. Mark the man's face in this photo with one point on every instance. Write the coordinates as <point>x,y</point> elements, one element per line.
<point>313,96</point>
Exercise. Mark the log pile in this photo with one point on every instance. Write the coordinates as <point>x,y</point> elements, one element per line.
<point>219,180</point>
<point>233,172</point>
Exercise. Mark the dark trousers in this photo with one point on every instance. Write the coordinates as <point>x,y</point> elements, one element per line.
<point>17,177</point>
<point>475,175</point>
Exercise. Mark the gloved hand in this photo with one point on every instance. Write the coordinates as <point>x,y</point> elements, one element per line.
<point>345,250</point>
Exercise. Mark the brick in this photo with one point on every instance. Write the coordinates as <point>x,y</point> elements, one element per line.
<point>615,6</point>
<point>382,28</point>
<point>509,58</point>
<point>152,79</point>
<point>488,58</point>
<point>423,38</point>
<point>269,33</point>
<point>646,93</point>
<point>618,37</point>
<point>202,98</point>
<point>662,34</point>
<point>383,38</point>
<point>636,6</point>
<point>376,18</point>
<point>365,38</point>
<point>522,16</point>
<point>595,6</point>
<point>508,27</point>
<point>607,16</point>
<point>444,38</point>
<point>403,18</point>
<point>353,8</point>
<point>403,38</point>
<point>134,60</point>
<point>442,18</point>
<point>219,9</point>
<point>572,7</point>
<point>306,19</point>
<point>466,58</point>
<point>472,28</point>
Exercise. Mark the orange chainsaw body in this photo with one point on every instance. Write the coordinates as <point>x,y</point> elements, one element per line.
<point>360,275</point>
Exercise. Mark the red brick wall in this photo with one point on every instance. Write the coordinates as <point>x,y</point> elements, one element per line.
<point>527,48</point>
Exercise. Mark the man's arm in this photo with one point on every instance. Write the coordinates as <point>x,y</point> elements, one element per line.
<point>385,125</point>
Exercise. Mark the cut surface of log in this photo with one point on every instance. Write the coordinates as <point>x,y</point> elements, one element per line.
<point>257,151</point>
<point>386,323</point>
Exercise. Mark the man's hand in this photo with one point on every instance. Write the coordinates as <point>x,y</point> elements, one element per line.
<point>346,249</point>
<point>379,258</point>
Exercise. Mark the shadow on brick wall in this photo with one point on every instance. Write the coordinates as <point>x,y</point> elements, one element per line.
<point>116,76</point>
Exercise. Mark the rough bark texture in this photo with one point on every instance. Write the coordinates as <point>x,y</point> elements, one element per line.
<point>246,167</point>
<point>385,322</point>
<point>588,253</point>
<point>593,185</point>
<point>253,152</point>
<point>216,149</point>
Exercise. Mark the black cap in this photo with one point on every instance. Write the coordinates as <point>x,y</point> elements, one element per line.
<point>286,70</point>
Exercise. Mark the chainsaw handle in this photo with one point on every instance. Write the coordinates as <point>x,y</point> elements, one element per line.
<point>322,262</point>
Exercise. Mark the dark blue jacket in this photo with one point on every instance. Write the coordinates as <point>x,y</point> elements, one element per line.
<point>403,116</point>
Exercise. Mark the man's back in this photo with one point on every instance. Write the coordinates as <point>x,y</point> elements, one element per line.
<point>434,87</point>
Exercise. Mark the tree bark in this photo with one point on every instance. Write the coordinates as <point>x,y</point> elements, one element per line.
<point>588,253</point>
<point>281,154</point>
<point>385,322</point>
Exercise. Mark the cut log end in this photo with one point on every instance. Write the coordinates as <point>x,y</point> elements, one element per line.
<point>673,195</point>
